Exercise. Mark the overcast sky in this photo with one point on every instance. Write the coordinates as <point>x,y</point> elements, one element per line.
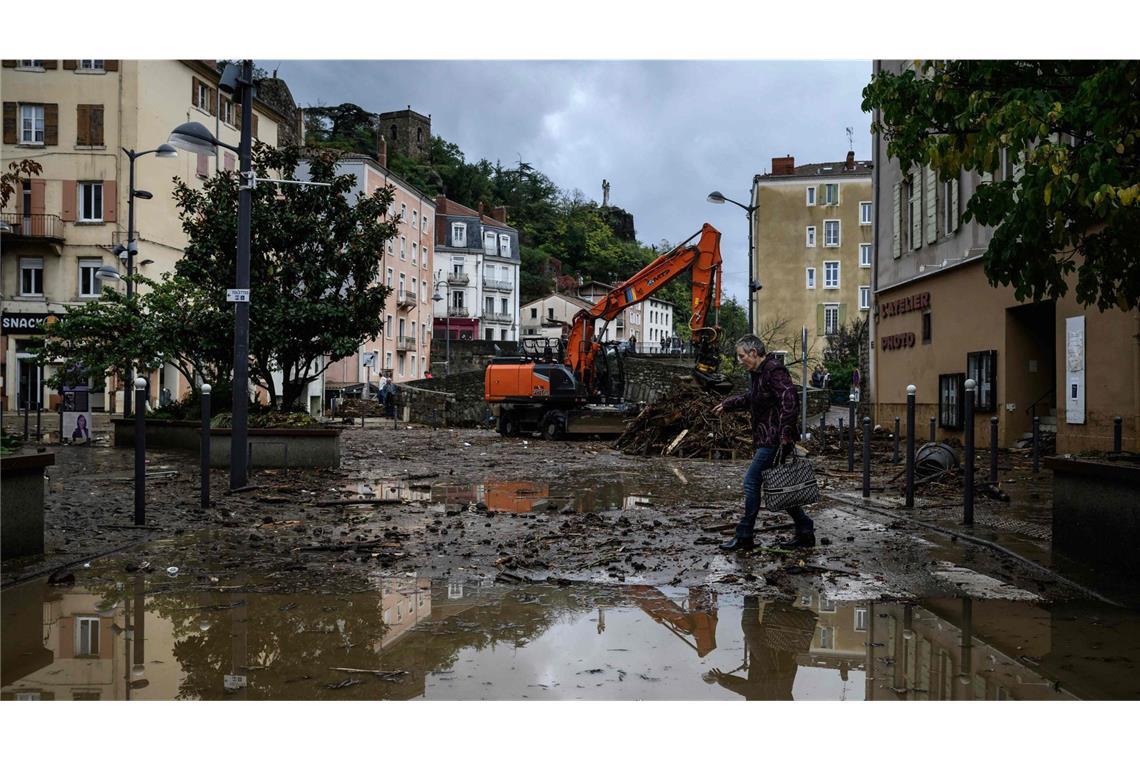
<point>664,134</point>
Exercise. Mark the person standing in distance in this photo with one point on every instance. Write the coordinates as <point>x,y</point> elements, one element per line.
<point>773,403</point>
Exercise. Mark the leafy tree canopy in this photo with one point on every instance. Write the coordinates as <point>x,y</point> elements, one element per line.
<point>1071,206</point>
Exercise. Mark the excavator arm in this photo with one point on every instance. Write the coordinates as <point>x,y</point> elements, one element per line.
<point>703,259</point>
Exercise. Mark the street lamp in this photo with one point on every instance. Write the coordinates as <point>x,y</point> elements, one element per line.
<point>753,285</point>
<point>162,151</point>
<point>447,319</point>
<point>196,138</point>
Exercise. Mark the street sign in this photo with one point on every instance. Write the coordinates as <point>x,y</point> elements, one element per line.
<point>232,682</point>
<point>368,359</point>
<point>237,295</point>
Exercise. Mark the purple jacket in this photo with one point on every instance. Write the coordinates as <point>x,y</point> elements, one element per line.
<point>773,402</point>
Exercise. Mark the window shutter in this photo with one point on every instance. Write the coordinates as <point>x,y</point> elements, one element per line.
<point>842,320</point>
<point>193,91</point>
<point>238,116</point>
<point>820,319</point>
<point>110,202</point>
<point>51,124</point>
<point>931,198</point>
<point>896,240</point>
<point>203,168</point>
<point>51,65</point>
<point>83,125</point>
<point>255,126</point>
<point>916,210</point>
<point>67,212</point>
<point>10,136</point>
<point>213,100</point>
<point>110,65</point>
<point>70,65</point>
<point>954,205</point>
<point>38,186</point>
<point>97,125</point>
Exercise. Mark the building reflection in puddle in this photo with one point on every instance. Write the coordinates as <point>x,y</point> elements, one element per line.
<point>535,496</point>
<point>471,639</point>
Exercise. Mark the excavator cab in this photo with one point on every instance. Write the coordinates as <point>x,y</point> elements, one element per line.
<point>610,376</point>
<point>706,374</point>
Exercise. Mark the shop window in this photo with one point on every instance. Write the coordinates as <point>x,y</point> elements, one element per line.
<point>950,401</point>
<point>982,367</point>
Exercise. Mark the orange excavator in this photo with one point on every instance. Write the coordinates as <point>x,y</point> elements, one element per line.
<point>576,384</point>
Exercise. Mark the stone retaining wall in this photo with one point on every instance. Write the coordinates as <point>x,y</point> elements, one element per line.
<point>269,447</point>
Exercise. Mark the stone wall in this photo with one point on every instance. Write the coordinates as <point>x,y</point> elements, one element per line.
<point>468,355</point>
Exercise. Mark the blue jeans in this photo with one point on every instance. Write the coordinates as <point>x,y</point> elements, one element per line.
<point>753,479</point>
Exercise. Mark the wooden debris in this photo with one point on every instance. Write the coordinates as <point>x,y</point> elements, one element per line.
<point>682,424</point>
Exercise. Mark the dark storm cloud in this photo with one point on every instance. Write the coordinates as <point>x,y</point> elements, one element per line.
<point>664,133</point>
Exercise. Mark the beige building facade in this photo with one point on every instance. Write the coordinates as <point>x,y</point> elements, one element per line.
<point>813,250</point>
<point>75,118</point>
<point>938,322</point>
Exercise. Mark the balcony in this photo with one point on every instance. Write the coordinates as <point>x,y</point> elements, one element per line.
<point>497,284</point>
<point>405,343</point>
<point>458,311</point>
<point>405,298</point>
<point>460,280</point>
<point>498,316</point>
<point>33,226</point>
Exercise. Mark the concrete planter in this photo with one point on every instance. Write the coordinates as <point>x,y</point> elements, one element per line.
<point>1096,511</point>
<point>269,447</point>
<point>22,508</point>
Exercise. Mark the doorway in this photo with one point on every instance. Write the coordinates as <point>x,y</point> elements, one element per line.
<point>1030,368</point>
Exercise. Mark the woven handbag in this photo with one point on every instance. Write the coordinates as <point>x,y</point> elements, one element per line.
<point>790,484</point>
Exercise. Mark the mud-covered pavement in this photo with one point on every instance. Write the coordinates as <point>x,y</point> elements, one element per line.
<point>469,503</point>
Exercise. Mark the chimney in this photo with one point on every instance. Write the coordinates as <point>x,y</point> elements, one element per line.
<point>482,209</point>
<point>782,167</point>
<point>850,161</point>
<point>382,152</point>
<point>499,213</point>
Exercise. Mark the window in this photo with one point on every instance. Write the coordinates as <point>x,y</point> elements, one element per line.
<point>415,252</point>
<point>457,299</point>
<point>404,213</point>
<point>89,124</point>
<point>202,165</point>
<point>826,605</point>
<point>831,194</point>
<point>830,318</point>
<point>388,282</point>
<point>403,280</point>
<point>89,285</point>
<point>504,245</point>
<point>459,234</point>
<point>865,255</point>
<point>32,64</point>
<point>809,240</point>
<point>950,400</point>
<point>415,218</point>
<point>31,125</point>
<point>489,243</point>
<point>827,638</point>
<point>202,96</point>
<point>87,636</point>
<point>403,248</point>
<point>831,274</point>
<point>831,233</point>
<point>534,313</point>
<point>90,201</point>
<point>228,112</point>
<point>505,307</point>
<point>402,323</point>
<point>860,618</point>
<point>424,222</point>
<point>926,327</point>
<point>31,277</point>
<point>982,367</point>
<point>811,196</point>
<point>550,314</point>
<point>455,589</point>
<point>90,65</point>
<point>489,305</point>
<point>388,326</point>
<point>864,296</point>
<point>810,284</point>
<point>388,360</point>
<point>864,212</point>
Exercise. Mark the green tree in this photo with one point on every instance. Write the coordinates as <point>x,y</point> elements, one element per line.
<point>1071,128</point>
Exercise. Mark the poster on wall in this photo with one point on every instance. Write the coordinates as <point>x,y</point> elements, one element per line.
<point>1075,370</point>
<point>76,413</point>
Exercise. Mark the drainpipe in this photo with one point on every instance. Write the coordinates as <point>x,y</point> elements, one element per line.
<point>876,172</point>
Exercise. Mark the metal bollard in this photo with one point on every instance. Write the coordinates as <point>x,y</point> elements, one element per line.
<point>910,391</point>
<point>39,421</point>
<point>840,421</point>
<point>895,458</point>
<point>993,450</point>
<point>1117,435</point>
<point>395,417</point>
<point>851,433</point>
<point>140,451</point>
<point>205,466</point>
<point>866,457</point>
<point>968,505</point>
<point>933,430</point>
<point>1036,444</point>
<point>27,411</point>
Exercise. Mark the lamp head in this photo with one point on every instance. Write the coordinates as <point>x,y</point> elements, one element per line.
<point>229,81</point>
<point>146,195</point>
<point>107,272</point>
<point>715,197</point>
<point>166,150</point>
<point>437,297</point>
<point>194,137</point>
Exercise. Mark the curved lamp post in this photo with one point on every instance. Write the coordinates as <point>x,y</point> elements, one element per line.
<point>753,285</point>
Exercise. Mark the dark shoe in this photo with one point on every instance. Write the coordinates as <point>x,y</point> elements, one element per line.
<point>800,541</point>
<point>738,545</point>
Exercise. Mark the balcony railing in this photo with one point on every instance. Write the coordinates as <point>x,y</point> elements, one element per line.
<point>405,343</point>
<point>496,284</point>
<point>458,311</point>
<point>47,226</point>
<point>406,298</point>
<point>458,279</point>
<point>498,316</point>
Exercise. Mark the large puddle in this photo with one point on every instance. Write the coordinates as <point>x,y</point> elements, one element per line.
<point>158,638</point>
<point>518,495</point>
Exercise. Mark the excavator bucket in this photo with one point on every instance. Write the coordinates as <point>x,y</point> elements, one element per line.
<point>713,382</point>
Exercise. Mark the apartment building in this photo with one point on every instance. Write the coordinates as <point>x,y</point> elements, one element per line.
<point>477,273</point>
<point>1074,368</point>
<point>403,348</point>
<point>76,118</point>
<point>813,249</point>
<point>551,316</point>
<point>649,322</point>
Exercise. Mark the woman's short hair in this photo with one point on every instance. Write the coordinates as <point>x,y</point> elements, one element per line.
<point>751,343</point>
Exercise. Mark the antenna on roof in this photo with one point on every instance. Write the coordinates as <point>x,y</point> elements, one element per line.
<point>850,138</point>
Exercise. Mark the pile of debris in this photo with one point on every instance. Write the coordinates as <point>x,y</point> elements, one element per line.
<point>682,424</point>
<point>360,407</point>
